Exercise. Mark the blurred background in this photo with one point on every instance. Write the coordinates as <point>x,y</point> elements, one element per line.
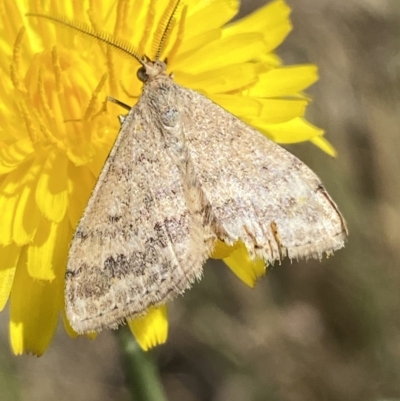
<point>311,330</point>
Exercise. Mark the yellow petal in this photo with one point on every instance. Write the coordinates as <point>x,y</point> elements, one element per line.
<point>24,174</point>
<point>238,105</point>
<point>81,183</point>
<point>225,79</point>
<point>151,329</point>
<point>48,254</point>
<point>261,112</point>
<point>67,326</point>
<point>198,41</point>
<point>237,49</point>
<point>34,308</point>
<point>212,15</point>
<point>8,205</point>
<point>10,192</point>
<point>27,216</point>
<point>296,130</point>
<point>51,191</point>
<point>9,256</point>
<point>82,154</point>
<point>222,250</point>
<point>283,81</point>
<point>272,20</point>
<point>12,155</point>
<point>324,144</point>
<point>12,188</point>
<point>271,59</point>
<point>275,111</point>
<point>102,151</point>
<point>246,269</point>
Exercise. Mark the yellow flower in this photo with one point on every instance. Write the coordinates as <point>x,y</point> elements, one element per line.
<point>57,131</point>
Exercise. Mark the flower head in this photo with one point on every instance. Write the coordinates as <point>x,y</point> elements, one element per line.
<point>57,129</point>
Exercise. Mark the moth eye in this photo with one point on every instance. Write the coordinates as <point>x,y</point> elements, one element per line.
<point>141,74</point>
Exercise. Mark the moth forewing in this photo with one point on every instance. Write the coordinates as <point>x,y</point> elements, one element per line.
<point>183,173</point>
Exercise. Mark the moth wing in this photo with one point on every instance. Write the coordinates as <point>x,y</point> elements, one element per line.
<point>137,244</point>
<point>259,193</point>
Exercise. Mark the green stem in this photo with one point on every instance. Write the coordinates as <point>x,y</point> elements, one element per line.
<point>141,373</point>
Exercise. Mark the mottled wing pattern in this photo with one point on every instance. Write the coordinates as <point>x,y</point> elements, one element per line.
<point>137,244</point>
<point>257,191</point>
<point>184,172</point>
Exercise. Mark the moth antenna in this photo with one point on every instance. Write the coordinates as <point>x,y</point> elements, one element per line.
<point>166,21</point>
<point>121,45</point>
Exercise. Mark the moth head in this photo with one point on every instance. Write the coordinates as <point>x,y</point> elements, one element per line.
<point>151,69</point>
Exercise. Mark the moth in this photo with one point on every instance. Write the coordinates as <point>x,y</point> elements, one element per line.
<point>184,173</point>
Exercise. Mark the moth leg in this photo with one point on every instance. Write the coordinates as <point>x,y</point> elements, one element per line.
<point>118,102</point>
<point>121,117</point>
